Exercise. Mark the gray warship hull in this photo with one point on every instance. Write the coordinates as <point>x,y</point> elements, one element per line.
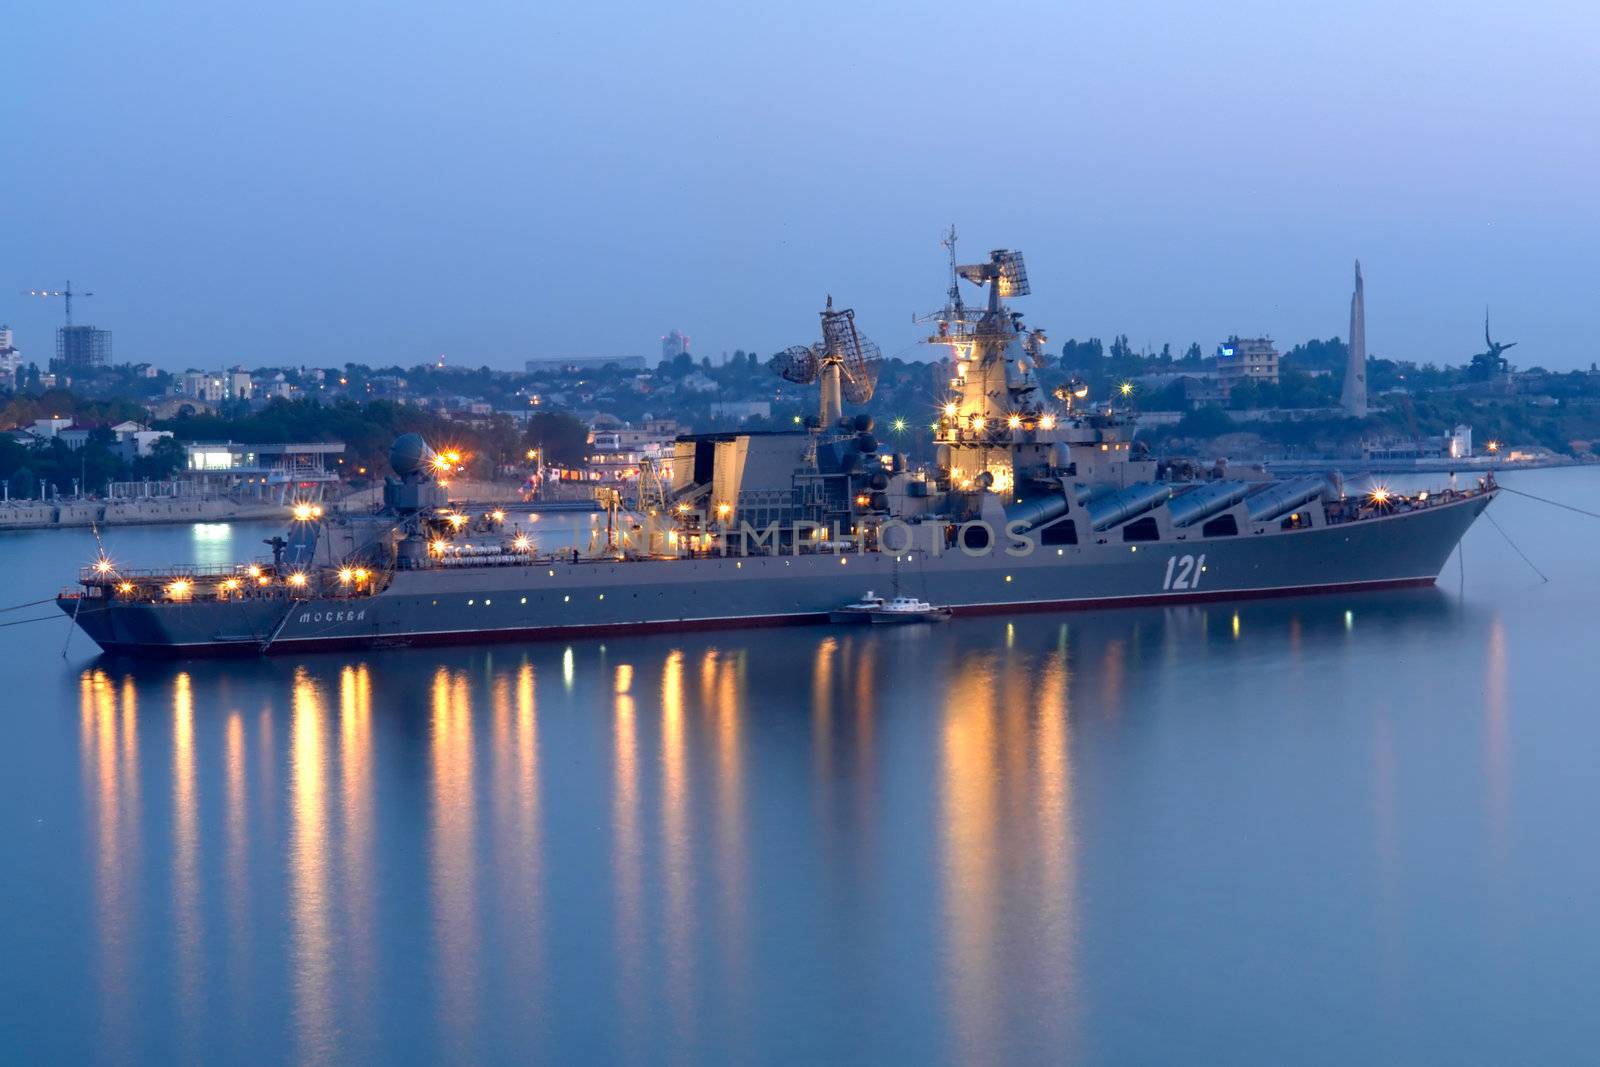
<point>542,599</point>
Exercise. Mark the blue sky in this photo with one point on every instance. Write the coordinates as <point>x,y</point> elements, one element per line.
<point>389,182</point>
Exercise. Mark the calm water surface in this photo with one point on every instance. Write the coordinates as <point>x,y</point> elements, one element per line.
<point>1322,830</point>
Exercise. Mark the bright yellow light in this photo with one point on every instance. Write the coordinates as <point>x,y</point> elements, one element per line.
<point>361,574</point>
<point>458,521</point>
<point>103,566</point>
<point>899,425</point>
<point>1014,421</point>
<point>302,512</point>
<point>454,457</point>
<point>1380,495</point>
<point>254,571</point>
<point>179,589</point>
<point>297,579</point>
<point>531,453</point>
<point>1081,391</point>
<point>497,515</point>
<point>266,579</point>
<point>346,575</point>
<point>1126,388</point>
<point>724,510</point>
<point>230,584</point>
<point>950,411</point>
<point>1493,446</point>
<point>521,544</point>
<point>1048,422</point>
<point>125,588</point>
<point>436,547</point>
<point>440,463</point>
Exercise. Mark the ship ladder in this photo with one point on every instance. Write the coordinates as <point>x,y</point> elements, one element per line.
<point>278,629</point>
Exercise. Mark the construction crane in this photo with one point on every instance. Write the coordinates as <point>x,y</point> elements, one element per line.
<point>67,293</point>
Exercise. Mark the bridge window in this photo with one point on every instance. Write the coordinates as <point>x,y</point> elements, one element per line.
<point>1141,530</point>
<point>1222,526</point>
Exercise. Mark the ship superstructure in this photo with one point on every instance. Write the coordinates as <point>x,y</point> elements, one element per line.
<point>1036,499</point>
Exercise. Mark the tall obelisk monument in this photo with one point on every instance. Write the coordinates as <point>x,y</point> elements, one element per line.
<point>1354,399</point>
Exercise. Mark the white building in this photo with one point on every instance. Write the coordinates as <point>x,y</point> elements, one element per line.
<point>10,358</point>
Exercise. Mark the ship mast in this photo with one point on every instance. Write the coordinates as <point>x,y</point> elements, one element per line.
<point>993,404</point>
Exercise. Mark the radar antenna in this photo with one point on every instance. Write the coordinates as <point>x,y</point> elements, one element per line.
<point>845,362</point>
<point>1005,274</point>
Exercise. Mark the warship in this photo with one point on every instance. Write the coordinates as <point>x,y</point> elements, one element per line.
<point>1037,499</point>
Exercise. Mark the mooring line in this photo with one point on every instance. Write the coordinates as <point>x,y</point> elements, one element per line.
<point>1514,547</point>
<point>28,604</point>
<point>1547,500</point>
<point>23,622</point>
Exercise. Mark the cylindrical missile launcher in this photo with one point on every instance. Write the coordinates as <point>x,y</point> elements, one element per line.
<point>1129,503</point>
<point>1280,499</point>
<point>1205,501</point>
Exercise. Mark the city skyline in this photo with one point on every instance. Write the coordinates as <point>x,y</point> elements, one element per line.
<point>508,186</point>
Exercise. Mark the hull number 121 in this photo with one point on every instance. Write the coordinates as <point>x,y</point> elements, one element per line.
<point>1183,572</point>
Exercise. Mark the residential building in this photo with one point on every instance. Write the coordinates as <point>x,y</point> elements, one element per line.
<point>674,344</point>
<point>10,357</point>
<point>1242,359</point>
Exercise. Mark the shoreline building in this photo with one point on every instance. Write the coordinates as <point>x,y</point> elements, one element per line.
<point>1354,397</point>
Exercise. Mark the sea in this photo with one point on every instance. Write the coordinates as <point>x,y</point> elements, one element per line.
<point>1324,830</point>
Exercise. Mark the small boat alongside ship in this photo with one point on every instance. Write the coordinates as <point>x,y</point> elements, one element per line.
<point>875,610</point>
<point>1037,500</point>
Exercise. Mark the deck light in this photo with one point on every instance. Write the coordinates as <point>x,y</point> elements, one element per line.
<point>297,579</point>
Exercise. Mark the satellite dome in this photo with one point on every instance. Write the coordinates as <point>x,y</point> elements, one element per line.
<point>410,455</point>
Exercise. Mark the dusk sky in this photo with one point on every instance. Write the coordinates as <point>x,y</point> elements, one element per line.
<point>382,183</point>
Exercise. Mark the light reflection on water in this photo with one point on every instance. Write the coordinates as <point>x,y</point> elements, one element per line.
<point>501,846</point>
<point>1145,835</point>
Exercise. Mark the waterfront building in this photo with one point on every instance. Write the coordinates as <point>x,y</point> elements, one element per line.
<point>283,473</point>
